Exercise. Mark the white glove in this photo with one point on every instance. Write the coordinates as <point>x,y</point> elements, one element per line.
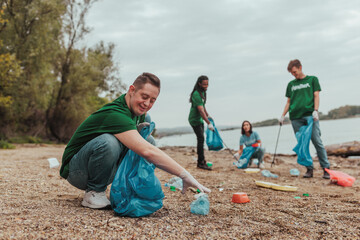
<point>281,120</point>
<point>210,127</point>
<point>237,156</point>
<point>190,181</point>
<point>315,115</point>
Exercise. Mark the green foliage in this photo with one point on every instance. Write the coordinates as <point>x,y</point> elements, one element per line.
<point>85,75</point>
<point>6,145</point>
<point>48,84</point>
<point>30,35</point>
<point>25,139</point>
<point>9,70</point>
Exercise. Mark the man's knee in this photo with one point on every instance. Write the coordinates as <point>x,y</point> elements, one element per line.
<point>109,143</point>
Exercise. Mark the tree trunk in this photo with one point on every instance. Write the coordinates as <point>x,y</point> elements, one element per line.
<point>344,149</point>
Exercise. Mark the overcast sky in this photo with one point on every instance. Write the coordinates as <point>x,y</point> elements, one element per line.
<point>242,46</point>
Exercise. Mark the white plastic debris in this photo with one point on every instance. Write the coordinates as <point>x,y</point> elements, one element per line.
<point>53,162</point>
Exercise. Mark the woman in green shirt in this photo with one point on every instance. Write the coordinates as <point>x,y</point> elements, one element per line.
<point>198,115</point>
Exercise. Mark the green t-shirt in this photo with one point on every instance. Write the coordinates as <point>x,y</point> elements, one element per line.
<point>112,118</point>
<point>194,115</point>
<point>301,94</point>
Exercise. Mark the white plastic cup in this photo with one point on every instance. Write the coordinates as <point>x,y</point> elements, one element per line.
<point>53,162</point>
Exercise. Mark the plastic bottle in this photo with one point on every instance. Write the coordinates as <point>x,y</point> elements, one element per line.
<point>175,182</point>
<point>294,172</point>
<point>201,205</point>
<point>255,162</point>
<point>267,173</point>
<point>240,163</point>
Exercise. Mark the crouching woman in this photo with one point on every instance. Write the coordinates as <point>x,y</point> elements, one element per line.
<point>252,143</point>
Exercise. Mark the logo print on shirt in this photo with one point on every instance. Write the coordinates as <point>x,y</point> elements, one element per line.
<point>300,86</point>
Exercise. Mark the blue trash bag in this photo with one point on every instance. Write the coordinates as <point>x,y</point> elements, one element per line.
<point>213,139</point>
<point>303,137</point>
<point>135,190</point>
<point>245,157</point>
<point>201,205</point>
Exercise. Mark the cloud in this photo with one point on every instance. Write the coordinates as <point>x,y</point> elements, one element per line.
<point>243,46</point>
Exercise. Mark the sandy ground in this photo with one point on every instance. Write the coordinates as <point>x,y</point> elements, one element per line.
<point>35,203</point>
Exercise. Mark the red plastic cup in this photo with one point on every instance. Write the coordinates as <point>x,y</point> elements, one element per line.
<point>240,197</point>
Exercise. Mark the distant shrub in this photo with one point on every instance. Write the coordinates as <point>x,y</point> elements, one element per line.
<point>25,139</point>
<point>6,145</point>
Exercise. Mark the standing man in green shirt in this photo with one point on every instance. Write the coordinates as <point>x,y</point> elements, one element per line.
<point>96,149</point>
<point>198,115</point>
<point>303,103</point>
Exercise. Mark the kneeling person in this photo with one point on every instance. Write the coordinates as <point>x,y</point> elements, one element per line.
<point>251,139</point>
<point>96,149</point>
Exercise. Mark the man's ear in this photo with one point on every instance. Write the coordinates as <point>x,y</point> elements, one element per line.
<point>131,89</point>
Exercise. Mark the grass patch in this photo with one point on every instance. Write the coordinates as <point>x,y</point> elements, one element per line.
<point>6,145</point>
<point>28,139</point>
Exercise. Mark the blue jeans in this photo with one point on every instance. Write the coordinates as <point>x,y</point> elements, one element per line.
<point>315,139</point>
<point>95,165</point>
<point>259,154</point>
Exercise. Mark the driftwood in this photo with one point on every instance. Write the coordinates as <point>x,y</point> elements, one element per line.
<point>344,149</point>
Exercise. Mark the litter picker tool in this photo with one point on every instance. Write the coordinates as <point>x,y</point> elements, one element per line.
<point>277,140</point>
<point>229,149</point>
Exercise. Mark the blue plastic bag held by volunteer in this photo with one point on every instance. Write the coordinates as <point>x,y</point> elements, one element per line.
<point>245,157</point>
<point>303,137</point>
<point>135,190</point>
<point>213,139</point>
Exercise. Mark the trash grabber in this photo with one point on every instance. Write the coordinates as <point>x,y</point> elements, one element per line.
<point>228,149</point>
<point>277,140</point>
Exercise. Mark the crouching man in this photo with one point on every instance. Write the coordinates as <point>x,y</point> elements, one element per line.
<point>96,149</point>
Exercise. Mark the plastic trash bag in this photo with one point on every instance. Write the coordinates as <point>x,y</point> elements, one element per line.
<point>341,178</point>
<point>302,150</point>
<point>201,205</point>
<point>244,160</point>
<point>135,190</point>
<point>213,139</point>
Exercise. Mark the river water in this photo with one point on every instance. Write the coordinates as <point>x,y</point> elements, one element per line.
<point>332,132</point>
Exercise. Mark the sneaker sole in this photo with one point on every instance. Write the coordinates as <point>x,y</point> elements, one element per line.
<point>89,205</point>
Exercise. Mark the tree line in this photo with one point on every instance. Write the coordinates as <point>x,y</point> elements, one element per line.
<point>49,80</point>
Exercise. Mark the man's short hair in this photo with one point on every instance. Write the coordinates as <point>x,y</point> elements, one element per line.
<point>144,78</point>
<point>294,63</point>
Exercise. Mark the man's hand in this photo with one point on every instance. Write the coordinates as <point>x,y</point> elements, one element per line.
<point>315,115</point>
<point>190,181</point>
<point>210,127</point>
<point>281,120</point>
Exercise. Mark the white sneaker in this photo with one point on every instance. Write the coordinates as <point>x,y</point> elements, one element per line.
<point>94,199</point>
<point>261,166</point>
